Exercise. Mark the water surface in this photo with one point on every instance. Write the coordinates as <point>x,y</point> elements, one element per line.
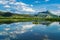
<point>30,31</point>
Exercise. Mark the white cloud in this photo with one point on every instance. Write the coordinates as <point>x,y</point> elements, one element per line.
<point>12,5</point>
<point>20,3</point>
<point>55,23</point>
<point>3,2</point>
<point>56,12</point>
<point>7,6</point>
<point>24,7</point>
<point>28,9</point>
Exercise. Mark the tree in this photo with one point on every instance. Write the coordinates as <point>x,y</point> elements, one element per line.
<point>7,14</point>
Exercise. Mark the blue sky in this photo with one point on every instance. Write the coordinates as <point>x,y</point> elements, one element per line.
<point>30,6</point>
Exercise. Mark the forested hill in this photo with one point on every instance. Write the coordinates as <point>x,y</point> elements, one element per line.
<point>12,15</point>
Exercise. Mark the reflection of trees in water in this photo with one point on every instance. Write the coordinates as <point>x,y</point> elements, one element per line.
<point>8,22</point>
<point>34,22</point>
<point>43,22</point>
<point>59,22</point>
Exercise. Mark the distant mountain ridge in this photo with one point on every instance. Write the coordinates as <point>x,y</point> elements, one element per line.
<point>39,14</point>
<point>45,14</point>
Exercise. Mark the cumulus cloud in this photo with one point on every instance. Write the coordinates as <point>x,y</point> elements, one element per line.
<point>21,3</point>
<point>24,7</point>
<point>56,12</point>
<point>28,9</point>
<point>26,28</point>
<point>7,6</point>
<point>3,2</point>
<point>14,6</point>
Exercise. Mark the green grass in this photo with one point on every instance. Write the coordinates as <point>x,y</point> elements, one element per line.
<point>29,19</point>
<point>26,19</point>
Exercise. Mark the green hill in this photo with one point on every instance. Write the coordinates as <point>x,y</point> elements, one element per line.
<point>8,17</point>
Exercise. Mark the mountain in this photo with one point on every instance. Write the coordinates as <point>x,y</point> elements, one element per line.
<point>11,15</point>
<point>46,14</point>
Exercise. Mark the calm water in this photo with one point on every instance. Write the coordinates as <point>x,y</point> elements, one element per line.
<point>29,31</point>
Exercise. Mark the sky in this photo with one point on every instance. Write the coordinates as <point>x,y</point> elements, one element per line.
<point>30,6</point>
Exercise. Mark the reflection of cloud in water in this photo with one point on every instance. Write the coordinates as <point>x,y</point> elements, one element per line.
<point>40,27</point>
<point>22,23</point>
<point>55,23</point>
<point>13,35</point>
<point>21,27</point>
<point>58,28</point>
<point>15,29</point>
<point>25,28</point>
<point>3,33</point>
<point>7,29</point>
<point>53,27</point>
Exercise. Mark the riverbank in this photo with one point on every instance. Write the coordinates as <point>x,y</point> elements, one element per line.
<point>8,17</point>
<point>28,19</point>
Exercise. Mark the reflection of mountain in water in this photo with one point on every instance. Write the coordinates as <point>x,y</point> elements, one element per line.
<point>42,22</point>
<point>29,31</point>
<point>8,22</point>
<point>35,22</point>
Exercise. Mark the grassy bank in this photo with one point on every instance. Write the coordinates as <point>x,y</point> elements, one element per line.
<point>7,17</point>
<point>27,19</point>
